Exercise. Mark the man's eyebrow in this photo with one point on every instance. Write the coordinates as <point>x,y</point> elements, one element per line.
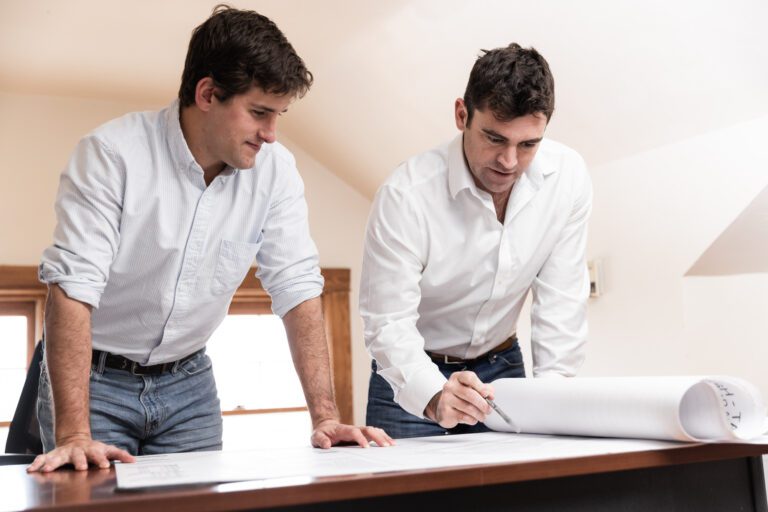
<point>259,106</point>
<point>493,134</point>
<point>497,135</point>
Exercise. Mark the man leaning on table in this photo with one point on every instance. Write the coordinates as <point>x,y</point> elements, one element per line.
<point>456,239</point>
<point>160,216</point>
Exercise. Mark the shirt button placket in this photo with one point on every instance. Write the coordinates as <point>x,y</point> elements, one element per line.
<point>189,267</point>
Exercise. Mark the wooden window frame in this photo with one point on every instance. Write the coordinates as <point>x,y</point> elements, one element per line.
<point>21,289</point>
<point>21,294</point>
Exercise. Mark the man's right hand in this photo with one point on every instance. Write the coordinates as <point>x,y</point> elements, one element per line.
<point>79,451</point>
<point>462,400</point>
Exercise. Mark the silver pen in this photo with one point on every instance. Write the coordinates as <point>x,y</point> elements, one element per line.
<point>503,415</point>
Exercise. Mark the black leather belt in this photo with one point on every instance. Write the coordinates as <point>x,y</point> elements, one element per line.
<point>123,363</point>
<point>443,358</point>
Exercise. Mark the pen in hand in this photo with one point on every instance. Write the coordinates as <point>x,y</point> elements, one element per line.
<point>503,415</point>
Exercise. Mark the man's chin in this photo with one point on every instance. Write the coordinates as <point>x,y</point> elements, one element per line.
<point>501,187</point>
<point>247,163</point>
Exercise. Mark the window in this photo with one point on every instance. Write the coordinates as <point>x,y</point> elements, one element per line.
<point>14,326</point>
<point>251,299</point>
<point>252,361</point>
<point>261,397</point>
<point>251,354</point>
<point>21,308</point>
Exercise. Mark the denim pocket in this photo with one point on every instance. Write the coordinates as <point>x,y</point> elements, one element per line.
<point>234,261</point>
<point>511,358</point>
<point>197,364</point>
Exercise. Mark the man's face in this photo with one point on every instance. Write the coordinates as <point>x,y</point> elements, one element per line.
<point>236,128</point>
<point>498,152</point>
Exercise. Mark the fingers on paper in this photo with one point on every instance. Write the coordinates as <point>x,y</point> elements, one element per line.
<point>80,454</point>
<point>378,436</point>
<point>329,435</point>
<point>321,440</point>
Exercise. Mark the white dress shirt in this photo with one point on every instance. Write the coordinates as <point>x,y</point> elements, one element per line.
<point>159,254</point>
<point>440,273</point>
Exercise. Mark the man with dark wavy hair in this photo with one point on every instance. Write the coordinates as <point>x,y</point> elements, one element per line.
<point>160,216</point>
<point>457,238</point>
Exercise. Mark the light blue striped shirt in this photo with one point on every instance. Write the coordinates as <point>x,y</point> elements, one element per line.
<point>158,254</point>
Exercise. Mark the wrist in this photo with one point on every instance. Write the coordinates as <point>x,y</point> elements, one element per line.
<point>430,411</point>
<point>328,412</point>
<point>73,436</point>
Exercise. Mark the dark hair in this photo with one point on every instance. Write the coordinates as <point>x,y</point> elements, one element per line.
<point>512,82</point>
<point>239,49</point>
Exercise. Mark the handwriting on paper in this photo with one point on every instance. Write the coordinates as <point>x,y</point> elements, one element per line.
<point>728,402</point>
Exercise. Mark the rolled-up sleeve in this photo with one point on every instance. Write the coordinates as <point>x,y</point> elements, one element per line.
<point>561,290</point>
<point>88,211</point>
<point>288,263</point>
<point>393,262</point>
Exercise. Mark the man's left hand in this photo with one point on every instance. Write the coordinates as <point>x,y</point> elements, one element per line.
<point>330,432</point>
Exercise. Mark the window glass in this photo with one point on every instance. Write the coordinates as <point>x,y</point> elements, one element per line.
<point>13,362</point>
<point>252,364</point>
<point>250,431</point>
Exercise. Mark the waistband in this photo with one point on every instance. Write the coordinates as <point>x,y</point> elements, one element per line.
<point>446,359</point>
<point>117,362</point>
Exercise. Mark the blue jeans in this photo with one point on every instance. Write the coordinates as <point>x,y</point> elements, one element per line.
<point>176,411</point>
<point>384,413</point>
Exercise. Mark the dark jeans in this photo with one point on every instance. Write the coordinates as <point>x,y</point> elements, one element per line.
<point>384,413</point>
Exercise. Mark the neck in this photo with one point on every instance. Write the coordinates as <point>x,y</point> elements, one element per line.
<point>500,204</point>
<point>191,128</point>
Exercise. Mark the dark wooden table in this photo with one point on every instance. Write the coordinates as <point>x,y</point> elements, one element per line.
<point>707,477</point>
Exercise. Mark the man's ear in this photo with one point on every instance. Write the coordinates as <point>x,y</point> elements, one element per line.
<point>205,93</point>
<point>461,114</point>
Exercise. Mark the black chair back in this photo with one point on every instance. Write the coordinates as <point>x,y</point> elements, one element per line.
<point>24,432</point>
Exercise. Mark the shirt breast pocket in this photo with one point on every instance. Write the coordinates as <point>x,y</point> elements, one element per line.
<point>234,262</point>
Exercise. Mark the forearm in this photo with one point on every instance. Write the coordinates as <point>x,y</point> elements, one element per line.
<point>68,359</point>
<point>309,350</point>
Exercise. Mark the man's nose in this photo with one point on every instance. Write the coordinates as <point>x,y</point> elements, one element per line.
<point>508,158</point>
<point>268,131</point>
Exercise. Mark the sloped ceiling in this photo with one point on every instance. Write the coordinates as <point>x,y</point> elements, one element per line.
<point>742,247</point>
<point>630,75</point>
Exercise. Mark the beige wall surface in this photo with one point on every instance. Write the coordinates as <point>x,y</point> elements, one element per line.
<point>654,214</point>
<point>37,135</point>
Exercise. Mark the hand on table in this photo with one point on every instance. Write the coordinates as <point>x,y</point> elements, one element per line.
<point>79,451</point>
<point>328,433</point>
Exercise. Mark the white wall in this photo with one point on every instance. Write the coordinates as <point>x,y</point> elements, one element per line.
<point>37,134</point>
<point>654,214</point>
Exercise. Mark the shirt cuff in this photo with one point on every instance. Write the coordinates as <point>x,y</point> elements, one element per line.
<point>77,289</point>
<point>289,300</point>
<point>420,389</point>
<point>81,292</point>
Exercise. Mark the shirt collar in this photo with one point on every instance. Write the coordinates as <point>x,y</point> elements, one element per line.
<point>459,175</point>
<point>180,152</point>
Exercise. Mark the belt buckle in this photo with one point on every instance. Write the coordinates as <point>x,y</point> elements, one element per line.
<point>446,360</point>
<point>135,365</point>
